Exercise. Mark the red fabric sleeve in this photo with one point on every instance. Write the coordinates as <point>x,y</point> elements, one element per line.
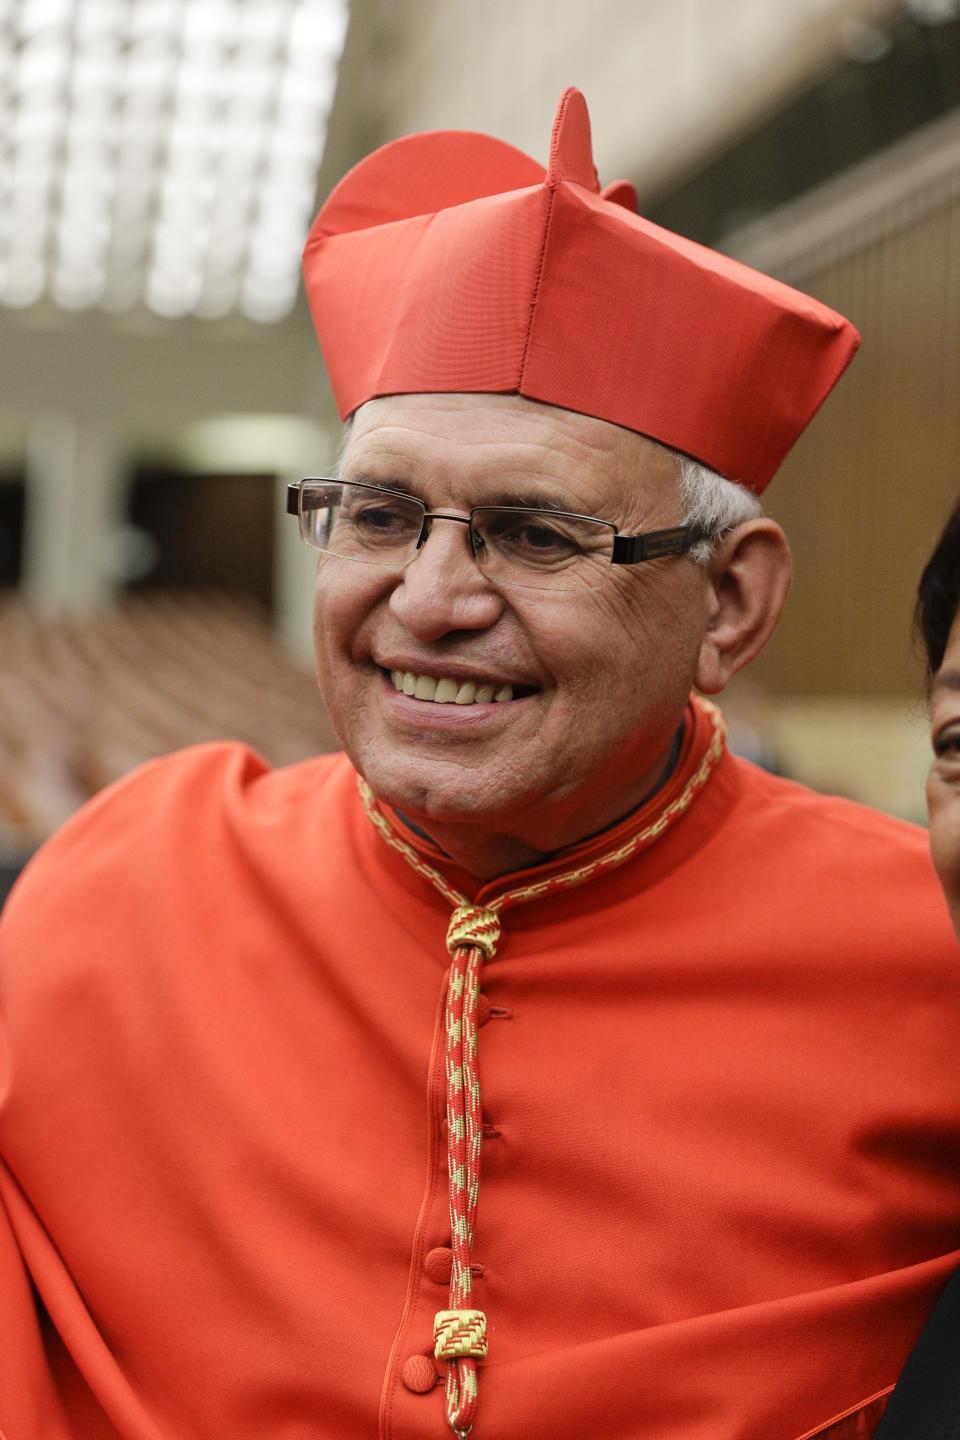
<point>28,1402</point>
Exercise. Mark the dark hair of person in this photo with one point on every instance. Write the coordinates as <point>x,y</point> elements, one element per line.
<point>938,598</point>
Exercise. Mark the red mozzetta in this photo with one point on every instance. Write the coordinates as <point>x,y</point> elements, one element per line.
<point>721,1154</point>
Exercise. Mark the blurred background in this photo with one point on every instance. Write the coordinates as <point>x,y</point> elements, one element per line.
<point>160,163</point>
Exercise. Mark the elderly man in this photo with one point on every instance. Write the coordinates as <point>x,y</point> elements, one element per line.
<point>535,1068</point>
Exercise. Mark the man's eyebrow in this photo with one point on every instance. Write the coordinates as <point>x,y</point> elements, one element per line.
<point>379,483</point>
<point>525,500</point>
<point>512,499</point>
<point>947,680</point>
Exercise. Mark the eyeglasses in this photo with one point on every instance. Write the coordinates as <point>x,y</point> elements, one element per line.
<point>513,545</point>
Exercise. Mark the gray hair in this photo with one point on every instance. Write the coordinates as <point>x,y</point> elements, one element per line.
<point>706,498</point>
<point>711,502</point>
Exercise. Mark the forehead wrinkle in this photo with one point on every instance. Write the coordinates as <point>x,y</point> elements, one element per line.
<point>469,419</point>
<point>542,452</point>
<point>385,455</point>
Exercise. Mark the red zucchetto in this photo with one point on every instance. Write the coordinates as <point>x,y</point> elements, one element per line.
<point>452,262</point>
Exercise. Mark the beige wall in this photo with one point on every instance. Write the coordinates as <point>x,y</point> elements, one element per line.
<point>667,81</point>
<point>874,748</point>
<point>147,377</point>
<point>866,491</point>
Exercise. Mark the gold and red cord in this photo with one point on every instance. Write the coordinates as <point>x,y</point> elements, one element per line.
<point>460,1332</point>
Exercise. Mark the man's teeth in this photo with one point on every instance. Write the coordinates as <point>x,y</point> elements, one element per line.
<point>448,692</point>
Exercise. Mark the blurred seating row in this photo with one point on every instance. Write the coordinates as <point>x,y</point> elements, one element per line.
<point>82,702</point>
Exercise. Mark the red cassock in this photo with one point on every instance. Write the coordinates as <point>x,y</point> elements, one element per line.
<point>721,1173</point>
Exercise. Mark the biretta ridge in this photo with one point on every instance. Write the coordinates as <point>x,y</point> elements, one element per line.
<point>452,262</point>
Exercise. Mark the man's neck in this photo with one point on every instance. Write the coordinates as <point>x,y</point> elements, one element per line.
<point>488,853</point>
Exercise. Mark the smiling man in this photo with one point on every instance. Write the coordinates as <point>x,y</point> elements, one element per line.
<point>515,688</point>
<point>534,1067</point>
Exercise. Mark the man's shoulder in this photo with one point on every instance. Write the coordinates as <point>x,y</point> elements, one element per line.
<point>774,802</point>
<point>823,881</point>
<point>186,784</point>
<point>813,849</point>
<point>172,814</point>
<point>190,866</point>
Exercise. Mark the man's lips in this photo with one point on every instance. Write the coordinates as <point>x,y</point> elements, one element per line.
<point>446,685</point>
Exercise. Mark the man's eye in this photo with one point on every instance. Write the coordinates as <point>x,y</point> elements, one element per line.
<point>382,521</point>
<point>539,537</point>
<point>531,539</point>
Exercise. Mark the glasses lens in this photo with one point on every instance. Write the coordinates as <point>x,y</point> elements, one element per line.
<point>360,522</point>
<point>541,549</point>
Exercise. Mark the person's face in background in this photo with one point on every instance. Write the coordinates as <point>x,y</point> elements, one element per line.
<point>938,621</point>
<point>943,781</point>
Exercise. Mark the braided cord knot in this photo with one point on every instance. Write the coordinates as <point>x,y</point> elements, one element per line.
<point>474,925</point>
<point>459,1333</point>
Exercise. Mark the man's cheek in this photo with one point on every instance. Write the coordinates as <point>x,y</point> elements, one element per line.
<point>334,618</point>
<point>327,652</point>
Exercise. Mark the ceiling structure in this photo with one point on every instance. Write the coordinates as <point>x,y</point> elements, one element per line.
<point>162,153</point>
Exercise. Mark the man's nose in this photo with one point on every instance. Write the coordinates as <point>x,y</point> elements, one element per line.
<point>443,588</point>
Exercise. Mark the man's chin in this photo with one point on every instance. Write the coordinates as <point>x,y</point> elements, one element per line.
<point>436,792</point>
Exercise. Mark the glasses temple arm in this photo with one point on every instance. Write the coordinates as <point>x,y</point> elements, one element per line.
<point>632,549</point>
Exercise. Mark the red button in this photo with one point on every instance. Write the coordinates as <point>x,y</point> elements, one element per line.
<point>419,1373</point>
<point>437,1264</point>
<point>483,1009</point>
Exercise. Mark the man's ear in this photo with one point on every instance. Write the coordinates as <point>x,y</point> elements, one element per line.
<point>748,577</point>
